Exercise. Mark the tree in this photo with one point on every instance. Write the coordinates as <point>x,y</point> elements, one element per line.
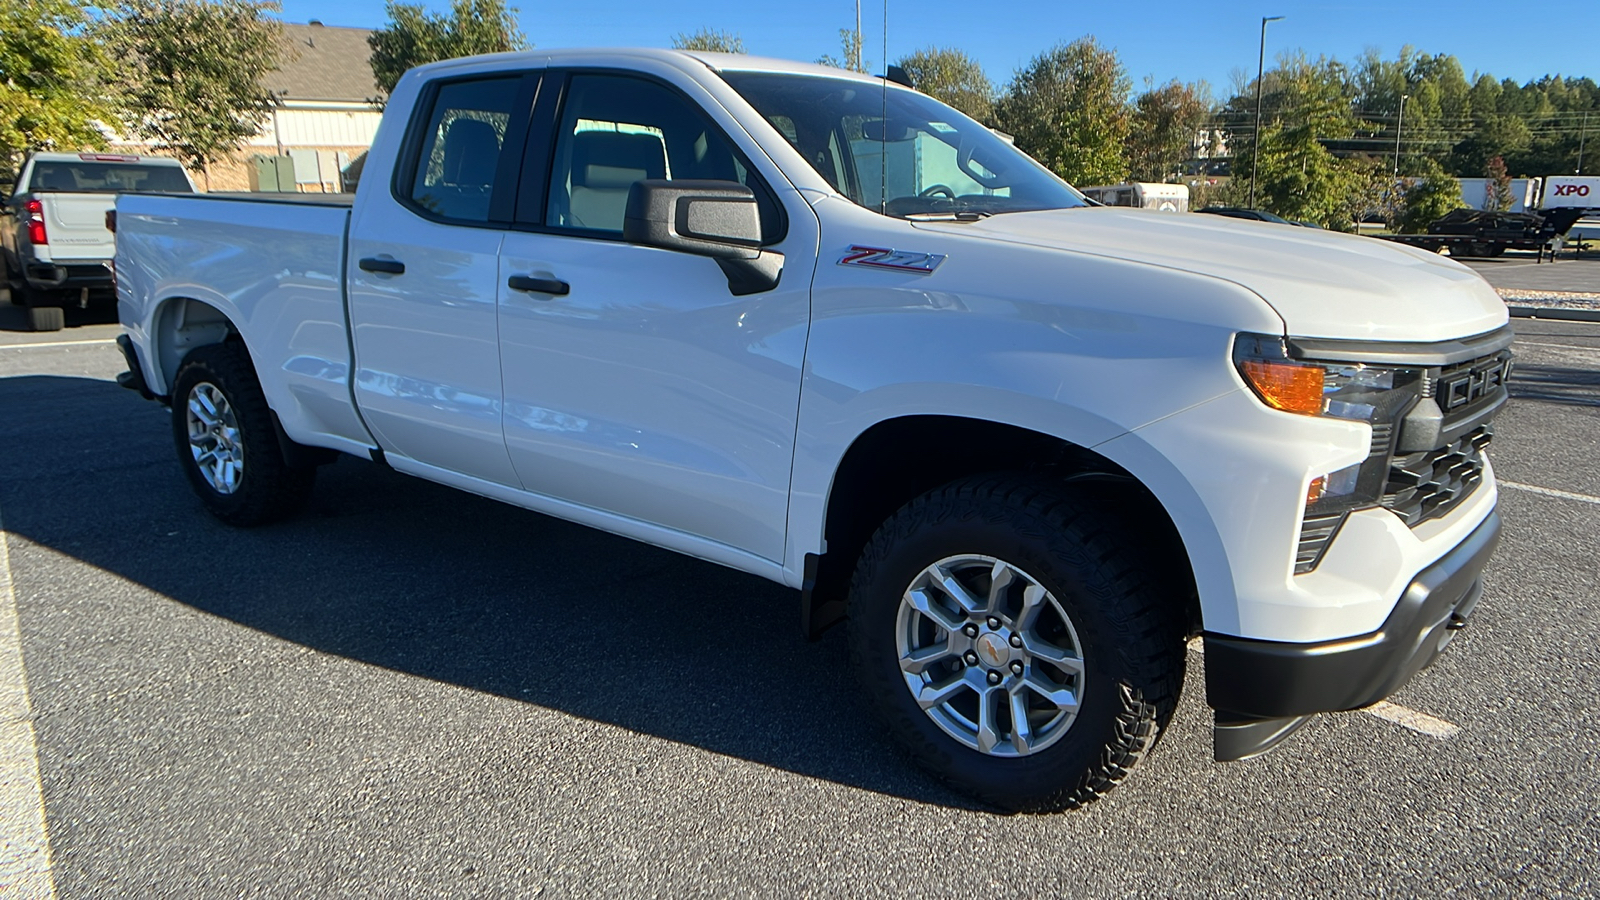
<point>850,46</point>
<point>949,75</point>
<point>1308,106</point>
<point>193,72</point>
<point>710,40</point>
<point>1165,124</point>
<point>51,79</point>
<point>1428,196</point>
<point>414,37</point>
<point>1493,135</point>
<point>1497,186</point>
<point>1068,108</point>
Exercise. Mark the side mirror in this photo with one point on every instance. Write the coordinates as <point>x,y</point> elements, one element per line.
<point>718,219</point>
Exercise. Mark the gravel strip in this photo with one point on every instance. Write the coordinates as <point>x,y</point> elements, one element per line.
<point>1551,299</point>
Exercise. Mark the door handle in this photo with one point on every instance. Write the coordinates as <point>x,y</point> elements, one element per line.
<point>387,266</point>
<point>533,285</point>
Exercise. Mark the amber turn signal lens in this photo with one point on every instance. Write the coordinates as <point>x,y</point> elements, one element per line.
<point>1286,386</point>
<point>1319,486</point>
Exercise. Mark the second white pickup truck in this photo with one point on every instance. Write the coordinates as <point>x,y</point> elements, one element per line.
<point>824,329</point>
<point>55,249</point>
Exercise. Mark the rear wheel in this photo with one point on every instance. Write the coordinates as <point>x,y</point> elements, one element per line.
<point>47,318</point>
<point>227,442</point>
<point>1015,642</point>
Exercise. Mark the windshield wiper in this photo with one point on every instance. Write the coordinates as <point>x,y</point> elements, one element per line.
<point>965,215</point>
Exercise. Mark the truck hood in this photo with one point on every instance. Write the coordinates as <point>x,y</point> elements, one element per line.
<point>1323,284</point>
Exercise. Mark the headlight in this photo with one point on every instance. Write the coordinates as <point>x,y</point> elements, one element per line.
<point>1378,396</point>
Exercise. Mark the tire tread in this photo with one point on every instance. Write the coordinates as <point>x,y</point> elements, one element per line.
<point>1150,639</point>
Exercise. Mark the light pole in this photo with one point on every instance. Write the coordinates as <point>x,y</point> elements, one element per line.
<point>1583,136</point>
<point>1261,65</point>
<point>1397,126</point>
<point>857,62</point>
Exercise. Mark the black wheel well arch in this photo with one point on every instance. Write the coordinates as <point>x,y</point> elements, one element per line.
<point>899,459</point>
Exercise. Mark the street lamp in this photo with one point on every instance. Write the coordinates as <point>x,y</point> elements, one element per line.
<point>1397,126</point>
<point>1261,65</point>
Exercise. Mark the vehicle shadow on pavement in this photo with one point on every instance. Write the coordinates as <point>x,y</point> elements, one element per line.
<point>396,572</point>
<point>15,318</point>
<point>1563,385</point>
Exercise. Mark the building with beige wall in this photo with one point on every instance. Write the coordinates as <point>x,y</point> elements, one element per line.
<point>324,114</point>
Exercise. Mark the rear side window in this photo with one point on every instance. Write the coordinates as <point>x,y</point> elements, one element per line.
<point>461,143</point>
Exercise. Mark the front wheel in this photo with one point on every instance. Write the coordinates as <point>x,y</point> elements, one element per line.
<point>1015,641</point>
<point>227,442</point>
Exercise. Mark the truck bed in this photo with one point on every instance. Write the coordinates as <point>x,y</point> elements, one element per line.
<point>274,265</point>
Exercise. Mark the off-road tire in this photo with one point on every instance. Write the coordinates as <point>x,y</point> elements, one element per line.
<point>269,489</point>
<point>1131,634</point>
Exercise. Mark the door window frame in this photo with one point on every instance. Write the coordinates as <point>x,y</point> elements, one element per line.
<point>503,198</point>
<point>539,157</point>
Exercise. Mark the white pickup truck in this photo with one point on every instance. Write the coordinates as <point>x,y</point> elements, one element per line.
<point>55,249</point>
<point>1027,445</point>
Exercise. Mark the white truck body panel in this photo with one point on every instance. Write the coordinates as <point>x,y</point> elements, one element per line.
<point>1524,193</point>
<point>714,424</point>
<point>200,249</point>
<point>1141,195</point>
<point>1580,191</point>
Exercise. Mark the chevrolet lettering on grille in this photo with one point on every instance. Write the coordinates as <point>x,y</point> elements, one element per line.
<point>1460,389</point>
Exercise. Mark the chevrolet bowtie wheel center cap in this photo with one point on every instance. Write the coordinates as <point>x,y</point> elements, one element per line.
<point>993,649</point>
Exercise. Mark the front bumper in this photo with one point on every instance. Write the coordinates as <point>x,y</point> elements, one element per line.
<point>1263,690</point>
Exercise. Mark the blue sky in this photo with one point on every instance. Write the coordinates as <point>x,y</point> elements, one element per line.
<point>1158,38</point>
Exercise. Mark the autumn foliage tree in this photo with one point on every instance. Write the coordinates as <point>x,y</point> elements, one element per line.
<point>413,36</point>
<point>952,76</point>
<point>1165,123</point>
<point>710,40</point>
<point>1068,108</point>
<point>192,72</point>
<point>52,79</point>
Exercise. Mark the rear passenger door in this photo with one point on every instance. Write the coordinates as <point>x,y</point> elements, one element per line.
<point>635,381</point>
<point>423,257</point>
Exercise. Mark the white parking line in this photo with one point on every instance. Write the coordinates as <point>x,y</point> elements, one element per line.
<point>24,842</point>
<point>35,346</point>
<point>1422,723</point>
<point>1405,717</point>
<point>1548,492</point>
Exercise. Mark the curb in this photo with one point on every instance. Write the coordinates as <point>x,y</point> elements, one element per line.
<point>1550,312</point>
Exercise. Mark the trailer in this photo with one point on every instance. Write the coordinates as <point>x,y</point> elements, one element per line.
<point>1481,233</point>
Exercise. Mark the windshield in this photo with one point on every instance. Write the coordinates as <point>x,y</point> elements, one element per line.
<point>81,177</point>
<point>898,152</point>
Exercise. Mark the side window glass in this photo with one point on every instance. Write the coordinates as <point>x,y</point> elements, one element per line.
<point>460,150</point>
<point>617,130</point>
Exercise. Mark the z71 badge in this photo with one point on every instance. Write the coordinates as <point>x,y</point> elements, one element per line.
<point>899,260</point>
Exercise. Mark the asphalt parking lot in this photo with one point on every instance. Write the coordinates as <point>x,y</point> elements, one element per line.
<point>413,692</point>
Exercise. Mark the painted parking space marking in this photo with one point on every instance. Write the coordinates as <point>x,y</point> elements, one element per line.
<point>1420,722</point>
<point>24,842</point>
<point>43,344</point>
<point>1548,492</point>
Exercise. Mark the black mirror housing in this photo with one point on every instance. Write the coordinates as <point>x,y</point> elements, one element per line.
<point>707,218</point>
<point>718,219</point>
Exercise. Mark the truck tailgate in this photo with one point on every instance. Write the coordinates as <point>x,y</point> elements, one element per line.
<point>76,224</point>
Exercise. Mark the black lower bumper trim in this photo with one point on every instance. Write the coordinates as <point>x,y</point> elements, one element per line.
<point>1234,738</point>
<point>1271,680</point>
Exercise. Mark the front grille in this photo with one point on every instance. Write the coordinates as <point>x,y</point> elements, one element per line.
<point>1464,384</point>
<point>1429,484</point>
